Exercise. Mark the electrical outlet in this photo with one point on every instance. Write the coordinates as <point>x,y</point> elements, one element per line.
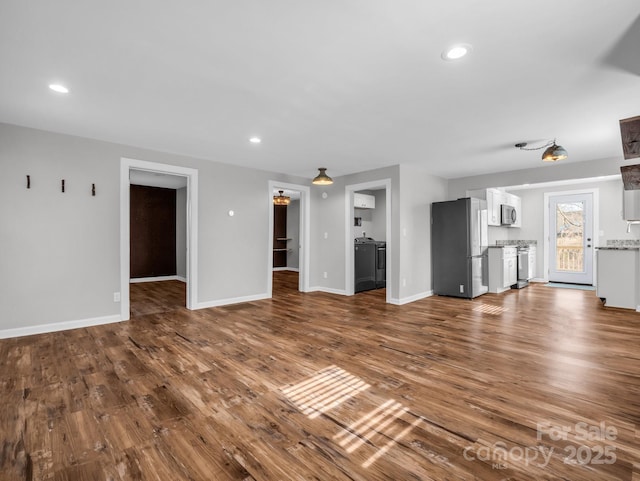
<point>116,297</point>
<point>461,288</point>
<point>326,235</point>
<point>404,282</point>
<point>324,275</point>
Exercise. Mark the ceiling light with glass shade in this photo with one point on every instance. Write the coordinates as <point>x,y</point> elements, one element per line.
<point>553,152</point>
<point>322,178</point>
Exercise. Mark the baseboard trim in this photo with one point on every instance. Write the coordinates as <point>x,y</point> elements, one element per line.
<point>538,279</point>
<point>292,269</point>
<point>157,279</point>
<point>328,290</point>
<point>232,300</point>
<point>415,297</point>
<point>58,326</point>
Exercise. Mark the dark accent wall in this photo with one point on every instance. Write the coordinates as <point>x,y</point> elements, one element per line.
<point>279,232</point>
<point>153,231</point>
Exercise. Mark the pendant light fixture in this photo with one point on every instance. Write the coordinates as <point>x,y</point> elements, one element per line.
<point>281,199</point>
<point>322,178</point>
<point>553,152</point>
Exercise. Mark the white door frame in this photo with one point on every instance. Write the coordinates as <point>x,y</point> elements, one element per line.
<point>305,234</point>
<point>350,233</point>
<point>192,227</point>
<point>596,225</point>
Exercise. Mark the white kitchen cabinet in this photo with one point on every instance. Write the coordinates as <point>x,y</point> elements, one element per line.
<point>617,282</point>
<point>516,202</point>
<point>494,201</point>
<point>364,201</point>
<point>503,268</point>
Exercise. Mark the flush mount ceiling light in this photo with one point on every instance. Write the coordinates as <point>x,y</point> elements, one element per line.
<point>61,89</point>
<point>255,140</point>
<point>456,52</point>
<point>553,152</point>
<point>281,199</point>
<point>322,178</point>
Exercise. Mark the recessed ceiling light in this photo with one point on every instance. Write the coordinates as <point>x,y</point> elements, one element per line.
<point>61,89</point>
<point>456,52</point>
<point>255,140</point>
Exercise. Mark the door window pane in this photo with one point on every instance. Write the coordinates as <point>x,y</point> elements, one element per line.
<point>570,236</point>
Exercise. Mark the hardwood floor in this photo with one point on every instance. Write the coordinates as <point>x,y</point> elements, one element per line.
<point>156,297</point>
<point>316,386</point>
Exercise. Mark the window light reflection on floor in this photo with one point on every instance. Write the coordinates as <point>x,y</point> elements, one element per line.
<point>391,421</point>
<point>324,391</point>
<point>489,309</point>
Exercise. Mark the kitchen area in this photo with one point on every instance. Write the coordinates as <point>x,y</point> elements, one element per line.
<point>466,263</point>
<point>512,247</point>
<point>618,260</point>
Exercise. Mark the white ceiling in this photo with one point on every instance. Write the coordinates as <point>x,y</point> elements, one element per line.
<point>349,85</point>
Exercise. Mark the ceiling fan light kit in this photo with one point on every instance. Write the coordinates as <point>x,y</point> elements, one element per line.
<point>553,152</point>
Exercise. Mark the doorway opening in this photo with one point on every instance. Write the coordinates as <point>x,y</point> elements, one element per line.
<point>368,243</point>
<point>158,233</point>
<point>288,267</point>
<point>571,222</point>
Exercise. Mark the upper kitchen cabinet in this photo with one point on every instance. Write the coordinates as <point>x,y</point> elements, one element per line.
<point>496,198</point>
<point>515,202</point>
<point>494,202</point>
<point>364,201</point>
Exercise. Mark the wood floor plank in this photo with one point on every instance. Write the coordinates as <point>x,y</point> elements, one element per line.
<point>315,386</point>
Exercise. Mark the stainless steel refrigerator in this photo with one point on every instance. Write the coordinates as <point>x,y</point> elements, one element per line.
<point>459,240</point>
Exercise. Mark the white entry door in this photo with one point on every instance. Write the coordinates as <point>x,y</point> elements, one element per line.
<point>571,238</point>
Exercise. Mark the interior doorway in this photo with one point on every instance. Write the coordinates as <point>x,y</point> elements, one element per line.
<point>157,240</point>
<point>368,242</point>
<point>288,265</point>
<point>155,178</point>
<point>570,242</point>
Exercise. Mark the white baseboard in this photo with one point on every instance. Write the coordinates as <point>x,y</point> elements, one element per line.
<point>157,279</point>
<point>538,279</point>
<point>328,290</point>
<point>58,326</point>
<point>415,297</point>
<point>231,300</point>
<point>292,269</point>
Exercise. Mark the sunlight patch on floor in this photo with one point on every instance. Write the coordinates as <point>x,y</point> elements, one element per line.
<point>489,309</point>
<point>384,422</point>
<point>324,391</point>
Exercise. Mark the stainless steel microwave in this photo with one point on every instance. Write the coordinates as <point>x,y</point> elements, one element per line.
<point>508,214</point>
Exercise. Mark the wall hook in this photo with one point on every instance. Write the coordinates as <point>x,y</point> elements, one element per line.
<point>28,181</point>
<point>93,190</point>
<point>63,186</point>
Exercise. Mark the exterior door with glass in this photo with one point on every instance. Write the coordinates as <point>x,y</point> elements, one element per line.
<point>571,238</point>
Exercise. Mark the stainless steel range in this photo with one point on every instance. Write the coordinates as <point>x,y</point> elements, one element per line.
<point>526,265</point>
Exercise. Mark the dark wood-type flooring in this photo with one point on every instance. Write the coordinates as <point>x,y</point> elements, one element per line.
<point>323,387</point>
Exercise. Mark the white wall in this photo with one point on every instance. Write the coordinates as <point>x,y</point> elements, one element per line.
<point>60,259</point>
<point>544,173</point>
<point>293,233</point>
<point>418,190</point>
<point>379,216</point>
<point>328,216</point>
<point>181,232</point>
